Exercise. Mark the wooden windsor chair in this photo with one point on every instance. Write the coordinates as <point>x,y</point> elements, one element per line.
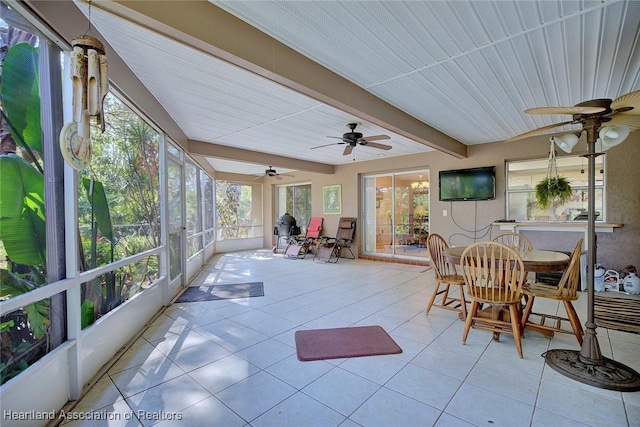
<point>446,276</point>
<point>493,275</point>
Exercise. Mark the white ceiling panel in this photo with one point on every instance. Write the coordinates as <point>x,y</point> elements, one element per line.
<point>466,68</point>
<point>489,56</point>
<point>256,170</point>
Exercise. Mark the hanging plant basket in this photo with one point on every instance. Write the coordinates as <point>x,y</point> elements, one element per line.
<point>552,190</point>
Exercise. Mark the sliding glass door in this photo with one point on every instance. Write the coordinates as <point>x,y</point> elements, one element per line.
<point>396,214</point>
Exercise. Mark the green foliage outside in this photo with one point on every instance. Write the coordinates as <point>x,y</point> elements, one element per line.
<point>118,206</point>
<point>234,205</point>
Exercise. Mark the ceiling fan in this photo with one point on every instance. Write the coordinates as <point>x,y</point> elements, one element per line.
<point>353,138</point>
<point>624,110</point>
<point>272,173</point>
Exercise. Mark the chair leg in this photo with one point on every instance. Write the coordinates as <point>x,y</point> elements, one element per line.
<point>463,302</point>
<point>473,312</point>
<point>514,313</point>
<point>435,293</point>
<point>574,320</point>
<point>527,311</point>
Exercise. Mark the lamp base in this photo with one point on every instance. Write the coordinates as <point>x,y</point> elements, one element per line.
<point>608,374</point>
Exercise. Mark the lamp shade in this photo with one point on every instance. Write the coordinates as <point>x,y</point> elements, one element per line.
<point>613,135</point>
<point>566,142</point>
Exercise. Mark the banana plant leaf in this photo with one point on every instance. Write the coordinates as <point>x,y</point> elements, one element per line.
<point>22,215</point>
<point>21,94</point>
<point>37,313</point>
<point>98,200</point>
<point>87,313</point>
<point>12,285</point>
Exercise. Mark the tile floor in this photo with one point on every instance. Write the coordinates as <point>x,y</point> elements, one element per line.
<point>233,362</point>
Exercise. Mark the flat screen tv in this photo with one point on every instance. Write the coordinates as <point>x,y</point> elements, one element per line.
<point>468,184</point>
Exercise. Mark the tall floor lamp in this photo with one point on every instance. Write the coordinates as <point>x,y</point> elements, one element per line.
<point>588,365</point>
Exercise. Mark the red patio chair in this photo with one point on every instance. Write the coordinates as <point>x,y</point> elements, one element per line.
<point>299,247</point>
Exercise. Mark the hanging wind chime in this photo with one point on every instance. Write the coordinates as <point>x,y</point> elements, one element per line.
<point>90,85</point>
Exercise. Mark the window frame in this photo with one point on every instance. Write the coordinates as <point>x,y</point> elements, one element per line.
<point>569,165</point>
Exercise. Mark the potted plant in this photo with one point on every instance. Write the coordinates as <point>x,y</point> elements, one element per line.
<point>551,191</point>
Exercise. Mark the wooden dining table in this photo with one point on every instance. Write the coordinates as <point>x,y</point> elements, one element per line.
<point>536,260</point>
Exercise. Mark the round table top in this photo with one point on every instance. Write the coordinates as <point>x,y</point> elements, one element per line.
<point>536,260</point>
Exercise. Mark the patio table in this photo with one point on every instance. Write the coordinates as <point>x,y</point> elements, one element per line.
<point>536,260</point>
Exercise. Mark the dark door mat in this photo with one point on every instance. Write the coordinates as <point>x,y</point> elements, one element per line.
<point>338,343</point>
<point>217,292</point>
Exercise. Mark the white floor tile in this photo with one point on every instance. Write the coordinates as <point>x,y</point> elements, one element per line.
<point>447,420</point>
<point>482,407</point>
<point>141,352</point>
<point>119,414</point>
<point>139,378</point>
<point>255,395</point>
<point>543,418</point>
<point>388,408</point>
<point>378,369</point>
<point>424,385</point>
<point>441,360</point>
<point>103,394</point>
<point>513,383</point>
<point>266,353</point>
<point>633,415</point>
<point>243,353</point>
<point>199,355</point>
<point>584,406</point>
<point>299,410</point>
<point>341,390</point>
<point>166,400</point>
<point>241,339</point>
<point>173,342</point>
<point>223,373</point>
<point>206,413</point>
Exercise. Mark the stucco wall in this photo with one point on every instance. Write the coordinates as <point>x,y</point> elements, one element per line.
<point>615,250</point>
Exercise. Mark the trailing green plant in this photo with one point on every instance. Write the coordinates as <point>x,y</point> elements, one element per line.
<point>553,189</point>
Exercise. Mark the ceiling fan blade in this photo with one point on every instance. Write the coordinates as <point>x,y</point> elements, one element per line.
<point>277,176</point>
<point>628,119</point>
<point>326,145</point>
<point>565,110</point>
<point>539,131</point>
<point>376,137</point>
<point>376,145</point>
<point>632,99</point>
<point>347,150</point>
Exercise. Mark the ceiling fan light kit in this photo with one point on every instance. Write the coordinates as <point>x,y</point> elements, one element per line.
<point>588,365</point>
<point>566,142</point>
<point>610,136</point>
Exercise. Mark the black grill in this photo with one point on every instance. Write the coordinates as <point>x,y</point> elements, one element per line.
<point>552,277</point>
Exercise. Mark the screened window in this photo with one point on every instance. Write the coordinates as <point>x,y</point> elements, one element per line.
<point>26,333</point>
<point>119,208</point>
<point>522,177</point>
<point>208,207</point>
<point>193,209</point>
<point>296,201</point>
<point>238,210</point>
